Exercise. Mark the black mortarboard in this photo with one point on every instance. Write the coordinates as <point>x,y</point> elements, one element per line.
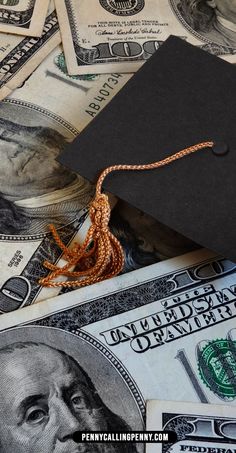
<point>180,97</point>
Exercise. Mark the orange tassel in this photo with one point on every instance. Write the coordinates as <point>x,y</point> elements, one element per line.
<point>101,255</point>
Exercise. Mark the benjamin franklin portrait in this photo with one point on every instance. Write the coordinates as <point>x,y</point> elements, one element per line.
<point>46,397</point>
<point>35,189</point>
<point>214,20</point>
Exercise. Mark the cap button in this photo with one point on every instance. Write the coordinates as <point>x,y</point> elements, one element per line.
<point>220,148</point>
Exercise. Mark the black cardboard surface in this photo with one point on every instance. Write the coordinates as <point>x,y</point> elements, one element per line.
<point>180,97</point>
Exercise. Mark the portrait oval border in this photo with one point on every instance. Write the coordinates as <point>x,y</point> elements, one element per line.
<point>173,6</point>
<point>118,365</point>
<point>61,122</point>
<point>45,112</point>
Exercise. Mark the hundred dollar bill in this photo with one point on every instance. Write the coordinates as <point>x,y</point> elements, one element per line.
<point>114,35</point>
<point>36,122</point>
<point>19,57</point>
<point>91,358</point>
<point>23,17</point>
<point>199,428</point>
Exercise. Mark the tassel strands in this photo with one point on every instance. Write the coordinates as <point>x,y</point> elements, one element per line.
<point>99,257</point>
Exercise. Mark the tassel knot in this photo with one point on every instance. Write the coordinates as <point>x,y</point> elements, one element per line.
<point>100,212</point>
<point>99,257</point>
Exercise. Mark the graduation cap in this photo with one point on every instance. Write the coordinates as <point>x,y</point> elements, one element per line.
<point>180,97</point>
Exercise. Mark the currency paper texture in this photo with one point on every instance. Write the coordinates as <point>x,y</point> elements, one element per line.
<point>23,17</point>
<point>102,36</point>
<point>163,332</point>
<point>199,428</point>
<point>19,57</point>
<point>37,121</point>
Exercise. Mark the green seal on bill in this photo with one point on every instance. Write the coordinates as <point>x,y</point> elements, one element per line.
<point>61,64</point>
<point>217,367</point>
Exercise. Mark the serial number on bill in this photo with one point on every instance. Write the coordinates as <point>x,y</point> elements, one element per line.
<point>99,101</point>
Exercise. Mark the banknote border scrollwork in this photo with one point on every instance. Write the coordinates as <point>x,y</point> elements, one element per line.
<point>72,20</point>
<point>105,306</point>
<point>25,16</point>
<point>37,44</point>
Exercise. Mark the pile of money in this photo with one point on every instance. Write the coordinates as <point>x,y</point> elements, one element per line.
<point>91,359</point>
